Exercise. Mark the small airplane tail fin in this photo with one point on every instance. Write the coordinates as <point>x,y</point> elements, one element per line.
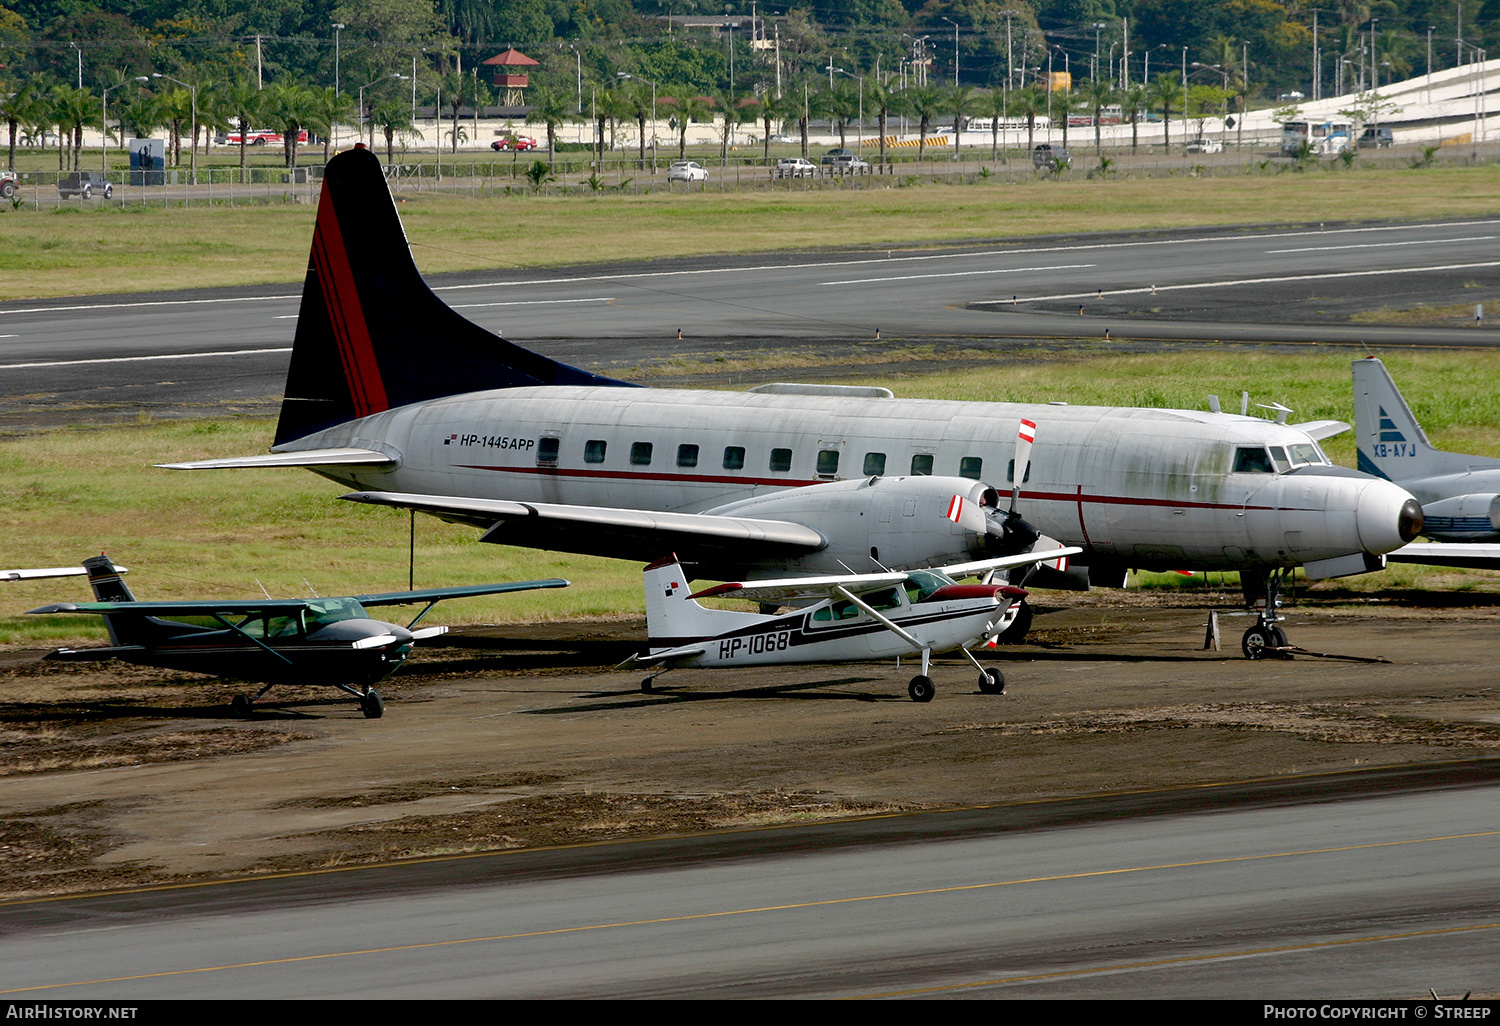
<point>109,586</point>
<point>370,334</point>
<point>1391,443</point>
<point>673,617</point>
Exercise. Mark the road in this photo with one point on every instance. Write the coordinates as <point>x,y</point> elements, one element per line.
<point>1383,896</point>
<point>228,348</point>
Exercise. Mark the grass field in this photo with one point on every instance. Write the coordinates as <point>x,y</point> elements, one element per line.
<point>52,252</point>
<point>67,493</point>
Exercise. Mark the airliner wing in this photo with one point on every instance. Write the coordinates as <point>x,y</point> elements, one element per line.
<point>605,530</point>
<point>1321,429</point>
<point>401,598</point>
<point>1473,556</point>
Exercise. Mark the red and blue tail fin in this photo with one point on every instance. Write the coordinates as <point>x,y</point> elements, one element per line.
<point>370,334</point>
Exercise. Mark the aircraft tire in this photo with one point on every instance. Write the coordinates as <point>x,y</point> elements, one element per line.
<point>920,689</point>
<point>992,682</point>
<point>372,705</point>
<point>240,706</point>
<point>1258,639</point>
<point>647,683</point>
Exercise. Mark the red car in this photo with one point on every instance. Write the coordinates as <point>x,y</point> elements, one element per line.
<point>518,142</point>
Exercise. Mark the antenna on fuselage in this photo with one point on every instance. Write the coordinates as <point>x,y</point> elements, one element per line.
<point>1213,404</point>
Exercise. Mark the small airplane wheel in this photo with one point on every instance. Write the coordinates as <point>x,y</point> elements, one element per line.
<point>1258,640</point>
<point>647,683</point>
<point>992,682</point>
<point>920,689</point>
<point>241,706</point>
<point>372,705</point>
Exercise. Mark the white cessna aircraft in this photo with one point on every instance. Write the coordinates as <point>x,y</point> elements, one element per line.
<point>855,617</point>
<point>1460,494</point>
<point>394,394</point>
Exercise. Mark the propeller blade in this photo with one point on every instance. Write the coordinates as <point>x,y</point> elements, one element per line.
<point>374,642</point>
<point>423,633</point>
<point>1024,439</point>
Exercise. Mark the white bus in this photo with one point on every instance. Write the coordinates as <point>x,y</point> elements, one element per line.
<point>1325,138</point>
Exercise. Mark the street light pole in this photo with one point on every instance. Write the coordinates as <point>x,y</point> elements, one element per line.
<point>334,128</point>
<point>950,21</point>
<point>193,135</point>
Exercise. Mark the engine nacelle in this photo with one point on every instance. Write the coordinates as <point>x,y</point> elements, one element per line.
<point>894,522</point>
<point>1469,518</point>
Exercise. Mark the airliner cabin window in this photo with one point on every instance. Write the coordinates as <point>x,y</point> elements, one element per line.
<point>734,457</point>
<point>781,459</point>
<point>1249,460</point>
<point>874,464</point>
<point>546,449</point>
<point>921,465</point>
<point>687,455</point>
<point>1010,472</point>
<point>828,462</point>
<point>593,450</point>
<point>640,454</point>
<point>971,467</point>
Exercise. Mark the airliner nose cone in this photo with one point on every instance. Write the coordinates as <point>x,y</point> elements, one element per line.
<point>1411,520</point>
<point>1387,517</point>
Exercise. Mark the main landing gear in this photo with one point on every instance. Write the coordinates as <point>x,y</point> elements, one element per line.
<point>1265,640</point>
<point>921,689</point>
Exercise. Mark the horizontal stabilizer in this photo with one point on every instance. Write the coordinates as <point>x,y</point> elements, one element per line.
<point>1321,429</point>
<point>1477,556</point>
<point>608,531</point>
<point>343,457</point>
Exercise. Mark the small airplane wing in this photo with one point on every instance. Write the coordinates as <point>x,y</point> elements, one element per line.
<point>1472,556</point>
<point>982,566</point>
<point>341,457</point>
<point>41,572</point>
<point>1321,429</point>
<point>398,598</point>
<point>794,589</point>
<point>603,530</point>
<point>272,607</point>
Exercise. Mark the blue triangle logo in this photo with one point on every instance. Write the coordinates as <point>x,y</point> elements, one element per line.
<point>1388,430</point>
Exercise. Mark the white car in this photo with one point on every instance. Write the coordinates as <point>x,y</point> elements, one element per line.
<point>687,171</point>
<point>795,167</point>
<point>1201,145</point>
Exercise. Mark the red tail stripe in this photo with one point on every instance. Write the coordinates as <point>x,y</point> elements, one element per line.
<point>341,297</point>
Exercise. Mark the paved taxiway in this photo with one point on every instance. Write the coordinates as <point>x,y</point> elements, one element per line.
<point>1288,284</point>
<point>1381,896</point>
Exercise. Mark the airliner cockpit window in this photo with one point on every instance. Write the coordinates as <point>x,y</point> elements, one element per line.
<point>1256,460</point>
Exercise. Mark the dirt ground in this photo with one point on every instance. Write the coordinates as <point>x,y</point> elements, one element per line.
<point>116,776</point>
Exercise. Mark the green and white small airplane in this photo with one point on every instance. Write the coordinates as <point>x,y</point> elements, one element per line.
<point>322,641</point>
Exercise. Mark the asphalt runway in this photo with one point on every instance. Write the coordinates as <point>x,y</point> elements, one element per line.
<point>1296,888</point>
<point>226,350</point>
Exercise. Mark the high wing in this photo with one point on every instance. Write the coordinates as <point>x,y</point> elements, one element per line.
<point>794,589</point>
<point>603,530</point>
<point>265,607</point>
<point>41,572</point>
<point>1472,556</point>
<point>340,457</point>
<point>981,566</point>
<point>1321,429</point>
<point>398,598</point>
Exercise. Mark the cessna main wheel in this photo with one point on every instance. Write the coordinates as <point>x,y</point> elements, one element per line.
<point>920,689</point>
<point>240,706</point>
<point>992,682</point>
<point>1259,641</point>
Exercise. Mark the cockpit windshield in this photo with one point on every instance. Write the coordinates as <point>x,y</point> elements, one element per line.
<point>321,612</point>
<point>921,584</point>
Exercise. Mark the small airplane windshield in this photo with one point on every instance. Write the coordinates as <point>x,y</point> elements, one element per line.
<point>322,612</point>
<point>921,584</point>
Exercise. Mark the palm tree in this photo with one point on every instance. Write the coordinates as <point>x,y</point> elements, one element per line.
<point>1134,101</point>
<point>735,108</point>
<point>390,115</point>
<point>1164,94</point>
<point>884,102</point>
<point>1030,103</point>
<point>291,109</point>
<point>332,108</point>
<point>992,105</point>
<point>689,109</point>
<point>770,109</point>
<point>242,105</point>
<point>1096,95</point>
<point>923,103</point>
<point>962,100</point>
<point>72,109</point>
<point>553,109</point>
<point>23,107</point>
<point>841,103</point>
<point>636,103</point>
